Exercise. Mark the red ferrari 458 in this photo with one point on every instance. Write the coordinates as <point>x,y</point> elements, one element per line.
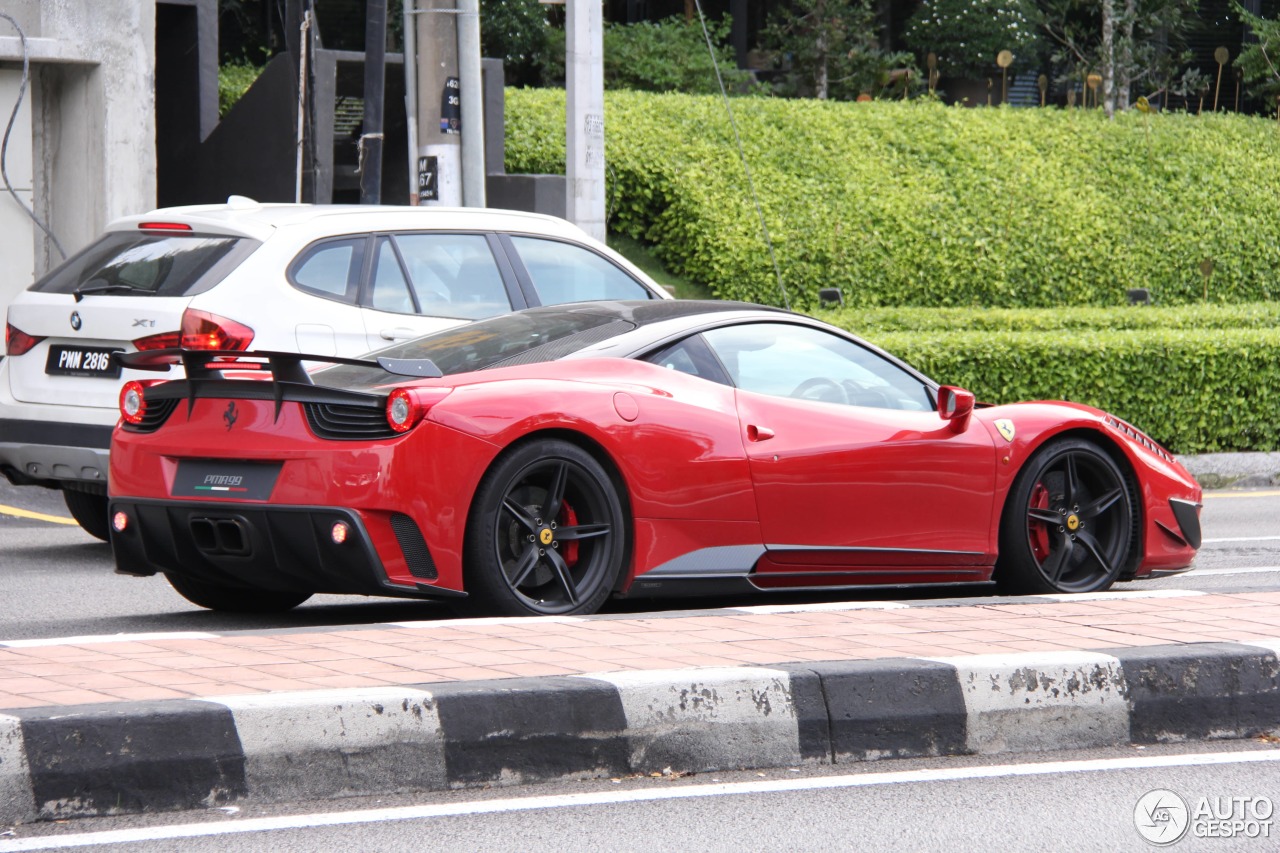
<point>542,461</point>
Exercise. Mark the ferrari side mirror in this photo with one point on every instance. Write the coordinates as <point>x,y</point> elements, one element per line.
<point>955,405</point>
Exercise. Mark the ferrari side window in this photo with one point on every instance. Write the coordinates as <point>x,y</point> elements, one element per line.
<point>691,356</point>
<point>785,360</point>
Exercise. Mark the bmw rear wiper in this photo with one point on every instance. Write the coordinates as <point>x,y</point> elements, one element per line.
<point>105,287</point>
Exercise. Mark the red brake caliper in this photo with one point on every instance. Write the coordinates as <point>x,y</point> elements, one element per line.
<point>1038,531</point>
<point>568,518</point>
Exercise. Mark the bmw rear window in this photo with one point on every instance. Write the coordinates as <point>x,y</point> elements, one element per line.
<point>136,264</point>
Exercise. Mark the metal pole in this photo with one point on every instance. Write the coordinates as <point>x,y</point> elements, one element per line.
<point>584,116</point>
<point>472,95</point>
<point>439,105</point>
<point>411,94</point>
<point>375,55</point>
<point>302,98</point>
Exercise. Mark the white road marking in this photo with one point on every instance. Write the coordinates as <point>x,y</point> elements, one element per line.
<point>1252,570</point>
<point>520,804</point>
<point>1242,539</point>
<point>1117,595</point>
<point>106,638</point>
<point>820,607</point>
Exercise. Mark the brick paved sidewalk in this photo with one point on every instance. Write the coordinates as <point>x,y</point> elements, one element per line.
<point>144,667</point>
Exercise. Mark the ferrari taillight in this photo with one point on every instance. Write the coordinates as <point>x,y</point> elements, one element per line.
<point>202,330</point>
<point>18,342</point>
<point>407,406</point>
<point>133,402</point>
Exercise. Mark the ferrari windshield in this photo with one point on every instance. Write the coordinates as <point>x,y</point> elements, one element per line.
<point>522,338</point>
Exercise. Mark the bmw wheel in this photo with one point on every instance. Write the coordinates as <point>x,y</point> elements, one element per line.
<point>547,533</point>
<point>89,511</point>
<point>1068,524</point>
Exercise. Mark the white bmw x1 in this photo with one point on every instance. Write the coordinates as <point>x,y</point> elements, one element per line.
<point>328,280</point>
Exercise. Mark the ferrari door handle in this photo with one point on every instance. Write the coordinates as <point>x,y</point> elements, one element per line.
<point>397,334</point>
<point>758,433</point>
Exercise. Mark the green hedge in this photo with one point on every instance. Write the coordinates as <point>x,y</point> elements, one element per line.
<point>1193,392</point>
<point>922,204</point>
<point>866,321</point>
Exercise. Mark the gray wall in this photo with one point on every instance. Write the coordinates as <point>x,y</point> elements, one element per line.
<point>92,123</point>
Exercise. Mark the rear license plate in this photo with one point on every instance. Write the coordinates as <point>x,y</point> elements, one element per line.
<point>204,478</point>
<point>82,361</point>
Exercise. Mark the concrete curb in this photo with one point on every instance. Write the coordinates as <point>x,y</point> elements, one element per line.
<point>187,754</point>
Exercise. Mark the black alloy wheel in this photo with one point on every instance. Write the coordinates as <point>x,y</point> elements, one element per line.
<point>547,533</point>
<point>1068,524</point>
<point>230,599</point>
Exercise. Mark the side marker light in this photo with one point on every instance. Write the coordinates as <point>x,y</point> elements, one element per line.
<point>339,532</point>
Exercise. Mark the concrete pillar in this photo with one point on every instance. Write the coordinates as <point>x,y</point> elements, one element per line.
<point>92,120</point>
<point>584,116</point>
<point>439,101</point>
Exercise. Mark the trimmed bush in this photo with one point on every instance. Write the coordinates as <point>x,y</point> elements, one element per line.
<point>1191,391</point>
<point>867,321</point>
<point>901,204</point>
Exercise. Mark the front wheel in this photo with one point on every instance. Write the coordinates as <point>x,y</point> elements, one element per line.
<point>547,533</point>
<point>231,599</point>
<point>1068,524</point>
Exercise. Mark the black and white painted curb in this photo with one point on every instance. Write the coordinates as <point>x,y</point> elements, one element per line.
<point>183,754</point>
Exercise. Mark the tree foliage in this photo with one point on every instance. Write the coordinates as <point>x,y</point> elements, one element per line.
<point>1148,49</point>
<point>967,35</point>
<point>1260,60</point>
<point>669,56</point>
<point>828,49</point>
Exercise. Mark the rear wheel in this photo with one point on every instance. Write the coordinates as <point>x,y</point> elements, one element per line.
<point>233,599</point>
<point>547,533</point>
<point>89,511</point>
<point>1068,523</point>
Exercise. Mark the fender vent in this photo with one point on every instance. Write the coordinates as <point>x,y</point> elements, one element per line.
<point>348,423</point>
<point>414,547</point>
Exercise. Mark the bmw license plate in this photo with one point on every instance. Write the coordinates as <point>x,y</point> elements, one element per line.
<point>82,361</point>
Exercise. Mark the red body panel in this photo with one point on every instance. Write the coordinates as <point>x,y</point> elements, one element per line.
<point>837,495</point>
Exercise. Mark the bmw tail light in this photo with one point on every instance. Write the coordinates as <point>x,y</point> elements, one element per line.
<point>133,402</point>
<point>18,342</point>
<point>164,340</point>
<point>407,406</point>
<point>202,330</point>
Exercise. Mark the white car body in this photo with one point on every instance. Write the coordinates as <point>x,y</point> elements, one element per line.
<point>278,279</point>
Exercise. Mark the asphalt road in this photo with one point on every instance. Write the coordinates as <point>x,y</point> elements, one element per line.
<point>57,581</point>
<point>1079,801</point>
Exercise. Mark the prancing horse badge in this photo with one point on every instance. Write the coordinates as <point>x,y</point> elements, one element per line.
<point>1005,426</point>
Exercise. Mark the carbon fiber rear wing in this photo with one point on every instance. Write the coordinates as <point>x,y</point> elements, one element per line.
<point>284,366</point>
<point>289,379</point>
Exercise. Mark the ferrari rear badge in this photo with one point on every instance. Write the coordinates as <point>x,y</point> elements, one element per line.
<point>1005,426</point>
